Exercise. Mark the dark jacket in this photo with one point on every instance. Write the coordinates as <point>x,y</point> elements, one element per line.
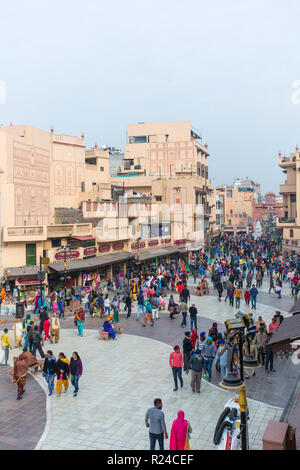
<point>185,294</point>
<point>36,337</point>
<point>49,365</point>
<point>213,332</point>
<point>61,365</point>
<point>76,366</point>
<point>193,312</point>
<point>195,364</point>
<point>141,299</point>
<point>187,345</point>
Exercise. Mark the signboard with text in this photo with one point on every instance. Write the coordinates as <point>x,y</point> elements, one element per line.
<point>69,255</point>
<point>90,251</point>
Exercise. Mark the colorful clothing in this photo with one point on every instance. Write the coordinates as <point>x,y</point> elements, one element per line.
<point>180,433</point>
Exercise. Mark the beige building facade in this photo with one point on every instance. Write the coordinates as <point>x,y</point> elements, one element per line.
<point>290,191</point>
<point>57,196</point>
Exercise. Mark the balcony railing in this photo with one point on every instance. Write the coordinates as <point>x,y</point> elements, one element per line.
<point>283,220</point>
<point>24,233</point>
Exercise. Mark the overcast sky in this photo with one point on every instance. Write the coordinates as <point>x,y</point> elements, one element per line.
<point>98,65</point>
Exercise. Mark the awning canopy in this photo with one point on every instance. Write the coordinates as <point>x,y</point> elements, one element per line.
<point>91,263</point>
<point>145,255</point>
<point>21,271</point>
<point>88,237</point>
<point>286,334</point>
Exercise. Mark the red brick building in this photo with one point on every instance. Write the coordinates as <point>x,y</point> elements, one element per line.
<point>261,211</point>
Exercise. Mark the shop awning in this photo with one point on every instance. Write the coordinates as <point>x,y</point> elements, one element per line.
<point>88,237</point>
<point>286,334</point>
<point>91,263</point>
<point>21,271</point>
<point>145,255</point>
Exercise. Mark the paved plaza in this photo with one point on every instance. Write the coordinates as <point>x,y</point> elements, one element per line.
<point>119,383</point>
<point>121,379</point>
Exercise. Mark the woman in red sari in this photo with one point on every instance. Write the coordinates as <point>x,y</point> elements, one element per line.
<point>194,336</point>
<point>180,433</point>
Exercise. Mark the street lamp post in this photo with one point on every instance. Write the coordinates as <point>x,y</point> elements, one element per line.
<point>138,242</point>
<point>243,413</point>
<point>64,249</point>
<point>237,328</point>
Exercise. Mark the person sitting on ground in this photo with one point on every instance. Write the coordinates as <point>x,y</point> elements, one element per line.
<point>108,328</point>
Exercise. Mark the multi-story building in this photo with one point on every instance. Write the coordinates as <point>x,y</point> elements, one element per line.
<point>51,186</point>
<point>167,163</point>
<point>247,185</point>
<point>290,191</point>
<point>58,201</point>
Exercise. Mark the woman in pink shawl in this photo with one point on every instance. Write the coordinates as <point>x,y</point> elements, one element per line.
<point>145,292</point>
<point>180,433</point>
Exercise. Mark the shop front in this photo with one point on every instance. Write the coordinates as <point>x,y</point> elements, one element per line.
<point>92,270</point>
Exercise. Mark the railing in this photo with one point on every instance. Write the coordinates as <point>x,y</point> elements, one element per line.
<point>21,231</point>
<point>287,159</point>
<point>24,233</point>
<point>283,220</point>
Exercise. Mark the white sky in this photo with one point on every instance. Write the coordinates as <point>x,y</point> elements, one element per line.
<point>96,66</point>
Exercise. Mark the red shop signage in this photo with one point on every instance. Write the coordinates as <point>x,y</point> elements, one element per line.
<point>104,248</point>
<point>153,243</point>
<point>135,246</point>
<point>167,240</point>
<point>180,242</point>
<point>92,250</point>
<point>118,246</point>
<point>28,280</point>
<point>69,254</point>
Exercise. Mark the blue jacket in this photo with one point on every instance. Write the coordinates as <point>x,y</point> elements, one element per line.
<point>140,299</point>
<point>253,292</point>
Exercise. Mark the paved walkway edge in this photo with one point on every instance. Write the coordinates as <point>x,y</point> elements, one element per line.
<point>48,412</point>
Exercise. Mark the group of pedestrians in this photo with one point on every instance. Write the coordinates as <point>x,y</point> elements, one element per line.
<point>180,431</point>
<point>62,369</point>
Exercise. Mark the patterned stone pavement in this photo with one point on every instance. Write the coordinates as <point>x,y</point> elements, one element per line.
<point>116,389</point>
<point>153,344</point>
<point>21,422</point>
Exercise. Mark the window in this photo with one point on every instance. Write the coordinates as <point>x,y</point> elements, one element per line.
<point>128,163</point>
<point>87,243</point>
<point>30,254</point>
<point>158,198</point>
<point>82,186</point>
<point>101,168</point>
<point>56,242</point>
<point>139,139</point>
<point>293,197</point>
<point>291,233</point>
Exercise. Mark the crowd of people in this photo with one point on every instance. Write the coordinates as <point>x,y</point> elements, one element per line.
<point>233,266</point>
